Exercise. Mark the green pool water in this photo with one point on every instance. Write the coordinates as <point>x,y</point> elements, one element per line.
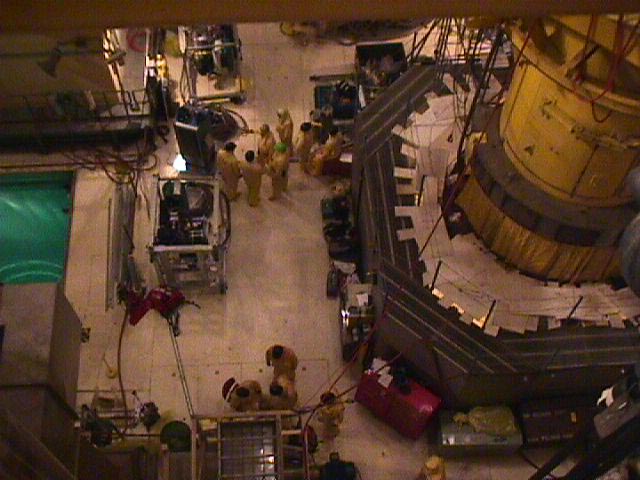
<point>35,216</point>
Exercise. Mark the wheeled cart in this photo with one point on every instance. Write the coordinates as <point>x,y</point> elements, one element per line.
<point>191,232</point>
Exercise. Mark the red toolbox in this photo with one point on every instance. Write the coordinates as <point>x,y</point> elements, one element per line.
<point>409,414</point>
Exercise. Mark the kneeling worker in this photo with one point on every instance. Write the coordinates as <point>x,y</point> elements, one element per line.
<point>282,395</point>
<point>243,397</point>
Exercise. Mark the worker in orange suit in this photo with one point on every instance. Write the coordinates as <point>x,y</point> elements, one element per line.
<point>283,360</point>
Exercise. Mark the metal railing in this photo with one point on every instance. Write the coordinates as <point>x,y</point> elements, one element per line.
<point>24,455</point>
<point>73,106</point>
<point>41,119</point>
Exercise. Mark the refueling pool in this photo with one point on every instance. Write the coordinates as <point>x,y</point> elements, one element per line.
<point>35,220</point>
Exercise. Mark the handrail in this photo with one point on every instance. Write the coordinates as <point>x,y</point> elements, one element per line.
<point>25,447</point>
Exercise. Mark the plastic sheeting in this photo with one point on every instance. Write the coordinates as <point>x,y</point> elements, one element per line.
<point>490,420</point>
<point>35,216</point>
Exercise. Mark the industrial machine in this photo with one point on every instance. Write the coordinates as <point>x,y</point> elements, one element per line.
<point>191,232</point>
<point>546,191</point>
<point>200,131</point>
<point>212,52</point>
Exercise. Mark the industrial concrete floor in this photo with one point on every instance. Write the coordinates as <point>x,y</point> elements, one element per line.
<point>277,265</point>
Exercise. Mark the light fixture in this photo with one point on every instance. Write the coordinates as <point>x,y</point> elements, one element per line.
<point>179,163</point>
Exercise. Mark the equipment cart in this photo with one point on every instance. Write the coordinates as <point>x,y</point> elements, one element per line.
<point>211,64</point>
<point>191,232</point>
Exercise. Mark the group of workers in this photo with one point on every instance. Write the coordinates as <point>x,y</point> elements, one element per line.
<point>273,158</point>
<point>248,395</point>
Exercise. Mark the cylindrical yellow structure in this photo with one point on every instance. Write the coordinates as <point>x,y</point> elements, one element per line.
<point>551,175</point>
<point>558,133</point>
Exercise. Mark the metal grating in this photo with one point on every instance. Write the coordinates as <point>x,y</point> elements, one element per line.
<point>253,445</point>
<point>249,450</point>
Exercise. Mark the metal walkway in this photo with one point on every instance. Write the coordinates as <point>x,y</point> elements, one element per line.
<point>458,359</point>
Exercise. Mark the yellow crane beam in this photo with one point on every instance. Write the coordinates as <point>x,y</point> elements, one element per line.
<point>74,15</point>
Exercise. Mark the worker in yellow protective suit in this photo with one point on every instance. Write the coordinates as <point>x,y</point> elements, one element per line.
<point>243,397</point>
<point>283,360</point>
<point>302,145</point>
<point>433,469</point>
<point>266,145</point>
<point>331,414</point>
<point>282,394</point>
<point>229,167</point>
<point>252,174</point>
<point>331,150</point>
<point>278,170</point>
<point>285,127</point>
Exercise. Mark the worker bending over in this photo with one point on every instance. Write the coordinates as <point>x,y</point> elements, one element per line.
<point>243,397</point>
<point>330,151</point>
<point>283,360</point>
<point>282,395</point>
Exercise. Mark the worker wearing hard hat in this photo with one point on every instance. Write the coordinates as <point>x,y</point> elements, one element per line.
<point>243,397</point>
<point>278,170</point>
<point>252,174</point>
<point>285,127</point>
<point>282,394</point>
<point>331,414</point>
<point>284,361</point>
<point>302,145</point>
<point>266,145</point>
<point>229,167</point>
